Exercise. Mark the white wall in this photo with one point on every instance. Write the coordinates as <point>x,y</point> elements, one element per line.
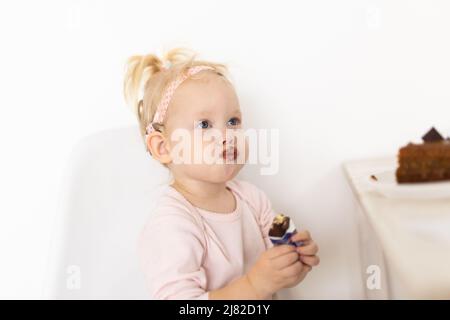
<point>340,79</point>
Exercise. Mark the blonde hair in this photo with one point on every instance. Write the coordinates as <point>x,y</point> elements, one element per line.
<point>147,73</point>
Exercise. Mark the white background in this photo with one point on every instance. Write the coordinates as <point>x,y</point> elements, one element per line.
<point>340,79</point>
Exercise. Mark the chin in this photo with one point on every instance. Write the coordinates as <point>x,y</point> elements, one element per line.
<point>220,173</point>
<point>230,171</point>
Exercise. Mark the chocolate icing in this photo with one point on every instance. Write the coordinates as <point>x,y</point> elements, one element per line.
<point>279,226</point>
<point>432,136</point>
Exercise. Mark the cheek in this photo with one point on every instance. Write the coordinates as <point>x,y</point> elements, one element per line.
<point>206,149</point>
<point>188,152</point>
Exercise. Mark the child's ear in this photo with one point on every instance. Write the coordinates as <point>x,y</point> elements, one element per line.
<point>157,145</point>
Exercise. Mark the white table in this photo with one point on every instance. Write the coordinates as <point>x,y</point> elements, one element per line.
<point>408,239</point>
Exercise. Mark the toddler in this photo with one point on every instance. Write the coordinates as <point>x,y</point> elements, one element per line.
<point>208,238</point>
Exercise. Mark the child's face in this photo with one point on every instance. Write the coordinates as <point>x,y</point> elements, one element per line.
<point>205,110</point>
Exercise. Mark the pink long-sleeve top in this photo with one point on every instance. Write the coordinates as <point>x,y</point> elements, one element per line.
<point>185,251</point>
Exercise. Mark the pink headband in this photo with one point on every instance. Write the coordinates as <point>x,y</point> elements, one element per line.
<point>167,96</point>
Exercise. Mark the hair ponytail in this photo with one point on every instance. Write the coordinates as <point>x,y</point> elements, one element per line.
<point>139,69</point>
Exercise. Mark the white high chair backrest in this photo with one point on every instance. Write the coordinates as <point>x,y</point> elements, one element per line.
<point>109,190</point>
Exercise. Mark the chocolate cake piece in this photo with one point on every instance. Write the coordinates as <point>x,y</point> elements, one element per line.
<point>432,136</point>
<point>425,162</point>
<point>279,226</point>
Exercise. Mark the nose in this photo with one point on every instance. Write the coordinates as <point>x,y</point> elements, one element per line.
<point>228,139</point>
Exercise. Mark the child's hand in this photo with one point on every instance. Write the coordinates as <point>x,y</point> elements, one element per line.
<point>308,251</point>
<point>277,268</point>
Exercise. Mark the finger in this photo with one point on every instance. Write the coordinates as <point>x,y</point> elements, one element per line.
<point>305,270</point>
<point>304,236</point>
<point>309,250</point>
<point>285,260</point>
<point>292,270</point>
<point>296,279</point>
<point>279,250</point>
<point>293,281</point>
<point>310,260</point>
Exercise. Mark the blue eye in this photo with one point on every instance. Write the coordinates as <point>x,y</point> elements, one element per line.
<point>234,122</point>
<point>203,124</point>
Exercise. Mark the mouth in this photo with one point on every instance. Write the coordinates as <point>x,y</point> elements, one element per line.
<point>230,154</point>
